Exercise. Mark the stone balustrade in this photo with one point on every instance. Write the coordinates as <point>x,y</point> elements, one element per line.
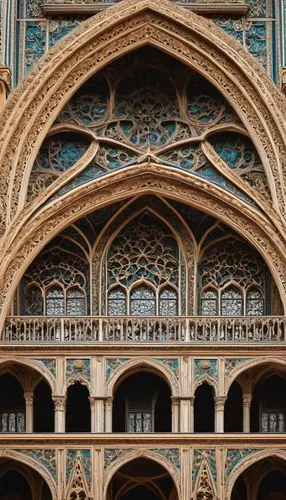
<point>125,329</point>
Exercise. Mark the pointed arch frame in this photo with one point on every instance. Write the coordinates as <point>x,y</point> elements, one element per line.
<point>32,108</point>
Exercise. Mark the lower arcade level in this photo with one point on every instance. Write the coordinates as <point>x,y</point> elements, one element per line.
<point>142,422</point>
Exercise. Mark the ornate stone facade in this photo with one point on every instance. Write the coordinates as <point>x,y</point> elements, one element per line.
<point>142,273</point>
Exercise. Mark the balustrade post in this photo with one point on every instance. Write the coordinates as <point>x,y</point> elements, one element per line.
<point>108,414</point>
<point>29,417</point>
<point>246,412</point>
<point>187,330</point>
<point>100,330</point>
<point>175,414</point>
<point>219,413</point>
<point>60,410</point>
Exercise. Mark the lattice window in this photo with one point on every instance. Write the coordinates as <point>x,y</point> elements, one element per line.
<point>56,284</point>
<point>143,261</point>
<point>140,421</point>
<point>12,420</point>
<point>55,301</point>
<point>232,279</point>
<point>272,421</point>
<point>231,302</point>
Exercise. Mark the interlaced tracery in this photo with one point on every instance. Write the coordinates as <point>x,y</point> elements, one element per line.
<point>143,269</point>
<point>58,153</point>
<point>56,284</point>
<point>139,110</point>
<point>232,279</point>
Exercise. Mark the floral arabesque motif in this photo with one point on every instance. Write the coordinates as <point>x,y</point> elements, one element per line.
<point>45,457</point>
<point>144,249</point>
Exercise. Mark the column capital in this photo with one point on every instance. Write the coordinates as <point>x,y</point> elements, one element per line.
<point>59,402</point>
<point>220,402</point>
<point>29,398</point>
<point>247,398</point>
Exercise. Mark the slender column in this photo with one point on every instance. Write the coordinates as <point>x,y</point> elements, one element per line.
<point>60,410</point>
<point>246,412</point>
<point>175,414</point>
<point>219,413</point>
<point>29,417</point>
<point>187,414</point>
<point>97,413</point>
<point>192,419</point>
<point>108,414</point>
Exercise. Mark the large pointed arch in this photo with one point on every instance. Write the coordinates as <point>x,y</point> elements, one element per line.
<point>194,40</point>
<point>152,179</point>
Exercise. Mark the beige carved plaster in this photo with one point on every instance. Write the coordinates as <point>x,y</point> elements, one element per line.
<point>31,109</point>
<point>247,462</point>
<point>198,193</point>
<point>141,453</point>
<point>140,363</point>
<point>128,212</point>
<point>24,459</point>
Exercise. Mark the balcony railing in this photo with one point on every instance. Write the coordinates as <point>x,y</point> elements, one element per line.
<point>263,329</point>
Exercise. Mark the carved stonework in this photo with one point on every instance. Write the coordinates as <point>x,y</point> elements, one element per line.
<point>234,457</point>
<point>112,364</point>
<point>204,487</point>
<point>171,454</point>
<point>231,364</point>
<point>78,488</point>
<point>45,457</point>
<point>78,370</point>
<point>205,368</point>
<point>113,454</point>
<point>50,364</point>
<point>208,456</point>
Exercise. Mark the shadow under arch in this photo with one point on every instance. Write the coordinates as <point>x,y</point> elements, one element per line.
<point>149,455</point>
<point>247,462</point>
<point>136,365</point>
<point>34,465</point>
<point>165,213</point>
<point>252,363</point>
<point>32,364</point>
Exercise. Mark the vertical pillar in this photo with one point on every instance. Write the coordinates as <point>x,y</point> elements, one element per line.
<point>187,414</point>
<point>5,84</point>
<point>108,414</point>
<point>29,417</point>
<point>175,414</point>
<point>60,410</point>
<point>219,413</point>
<point>97,413</point>
<point>192,418</point>
<point>246,412</point>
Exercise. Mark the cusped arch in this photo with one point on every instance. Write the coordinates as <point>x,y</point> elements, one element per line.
<point>33,464</point>
<point>34,365</point>
<point>206,379</point>
<point>148,454</point>
<point>243,367</point>
<point>247,462</point>
<point>22,248</point>
<point>168,216</point>
<point>142,364</point>
<point>103,38</point>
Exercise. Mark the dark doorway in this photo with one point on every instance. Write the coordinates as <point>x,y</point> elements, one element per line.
<point>233,409</point>
<point>142,403</point>
<point>268,406</point>
<point>78,409</point>
<point>12,404</point>
<point>43,408</point>
<point>204,409</point>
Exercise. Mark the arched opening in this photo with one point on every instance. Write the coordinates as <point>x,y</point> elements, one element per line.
<point>78,417</point>
<point>142,479</point>
<point>142,403</point>
<point>268,406</point>
<point>12,404</point>
<point>233,409</point>
<point>20,482</point>
<point>264,480</point>
<point>204,408</point>
<point>43,408</point>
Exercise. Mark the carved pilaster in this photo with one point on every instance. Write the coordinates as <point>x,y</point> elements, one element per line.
<point>60,408</point>
<point>5,84</point>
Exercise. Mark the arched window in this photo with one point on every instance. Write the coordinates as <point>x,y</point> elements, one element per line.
<point>254,302</point>
<point>209,302</point>
<point>168,302</point>
<point>117,302</point>
<point>75,302</point>
<point>231,302</point>
<point>33,300</point>
<point>55,301</point>
<point>142,301</point>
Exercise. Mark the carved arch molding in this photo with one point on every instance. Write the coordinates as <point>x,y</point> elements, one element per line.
<point>192,39</point>
<point>152,179</point>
